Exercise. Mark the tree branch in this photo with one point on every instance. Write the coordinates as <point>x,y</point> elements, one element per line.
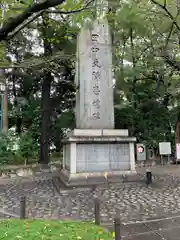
<point>169,35</point>
<point>26,22</point>
<point>171,29</point>
<point>165,3</point>
<point>14,22</point>
<point>33,62</point>
<point>163,7</point>
<point>167,58</point>
<point>173,63</point>
<point>86,6</point>
<point>68,12</point>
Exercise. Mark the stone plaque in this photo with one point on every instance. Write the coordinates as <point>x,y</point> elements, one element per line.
<point>102,157</point>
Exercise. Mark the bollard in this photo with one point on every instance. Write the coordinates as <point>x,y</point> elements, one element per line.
<point>23,207</point>
<point>97,211</point>
<point>148,176</point>
<point>117,225</point>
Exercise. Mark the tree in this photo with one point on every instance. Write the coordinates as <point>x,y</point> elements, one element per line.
<point>31,11</point>
<point>145,80</point>
<point>47,73</point>
<point>172,11</point>
<point>46,101</point>
<point>27,84</point>
<point>42,83</point>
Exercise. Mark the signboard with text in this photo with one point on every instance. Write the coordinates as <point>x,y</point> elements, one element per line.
<point>165,148</point>
<point>140,152</point>
<point>1,111</point>
<point>178,150</point>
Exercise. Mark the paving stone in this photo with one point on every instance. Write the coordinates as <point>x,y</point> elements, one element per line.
<point>162,224</point>
<point>135,201</point>
<point>149,236</point>
<point>171,234</point>
<point>132,229</point>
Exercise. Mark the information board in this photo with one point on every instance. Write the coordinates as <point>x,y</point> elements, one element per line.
<point>1,111</point>
<point>140,152</point>
<point>178,150</point>
<point>165,148</point>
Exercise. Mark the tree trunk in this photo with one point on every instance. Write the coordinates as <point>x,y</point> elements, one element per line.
<point>45,101</point>
<point>133,89</point>
<point>5,109</point>
<point>178,131</point>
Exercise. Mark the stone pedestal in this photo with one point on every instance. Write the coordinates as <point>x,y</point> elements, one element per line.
<point>96,152</point>
<point>94,156</point>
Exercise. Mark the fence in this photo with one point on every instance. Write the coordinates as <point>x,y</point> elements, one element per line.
<point>97,210</point>
<point>98,206</point>
<point>97,215</point>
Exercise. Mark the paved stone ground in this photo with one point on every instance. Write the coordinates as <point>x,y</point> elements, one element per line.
<point>133,200</point>
<point>167,229</point>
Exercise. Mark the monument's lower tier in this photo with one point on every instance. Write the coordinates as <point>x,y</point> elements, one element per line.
<point>97,156</point>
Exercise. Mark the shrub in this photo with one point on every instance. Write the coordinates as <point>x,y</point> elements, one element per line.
<point>7,152</point>
<point>27,148</point>
<point>17,150</point>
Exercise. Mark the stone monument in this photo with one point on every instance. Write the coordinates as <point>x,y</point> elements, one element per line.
<point>95,151</point>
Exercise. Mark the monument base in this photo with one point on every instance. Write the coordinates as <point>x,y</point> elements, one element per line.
<point>94,156</point>
<point>85,179</point>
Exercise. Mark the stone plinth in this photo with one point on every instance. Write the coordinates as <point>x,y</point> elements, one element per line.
<point>96,156</point>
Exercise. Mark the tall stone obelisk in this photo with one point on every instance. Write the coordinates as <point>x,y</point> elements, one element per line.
<point>94,99</point>
<point>95,150</point>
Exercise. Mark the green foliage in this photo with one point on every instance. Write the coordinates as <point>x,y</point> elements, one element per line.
<point>8,144</point>
<point>66,120</point>
<point>146,85</point>
<point>27,147</point>
<point>44,229</point>
<point>17,150</point>
<point>146,91</point>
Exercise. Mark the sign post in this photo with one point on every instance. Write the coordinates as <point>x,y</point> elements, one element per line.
<point>140,152</point>
<point>177,152</point>
<point>1,111</point>
<point>164,149</point>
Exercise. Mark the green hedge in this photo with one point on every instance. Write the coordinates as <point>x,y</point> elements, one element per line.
<point>51,230</point>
